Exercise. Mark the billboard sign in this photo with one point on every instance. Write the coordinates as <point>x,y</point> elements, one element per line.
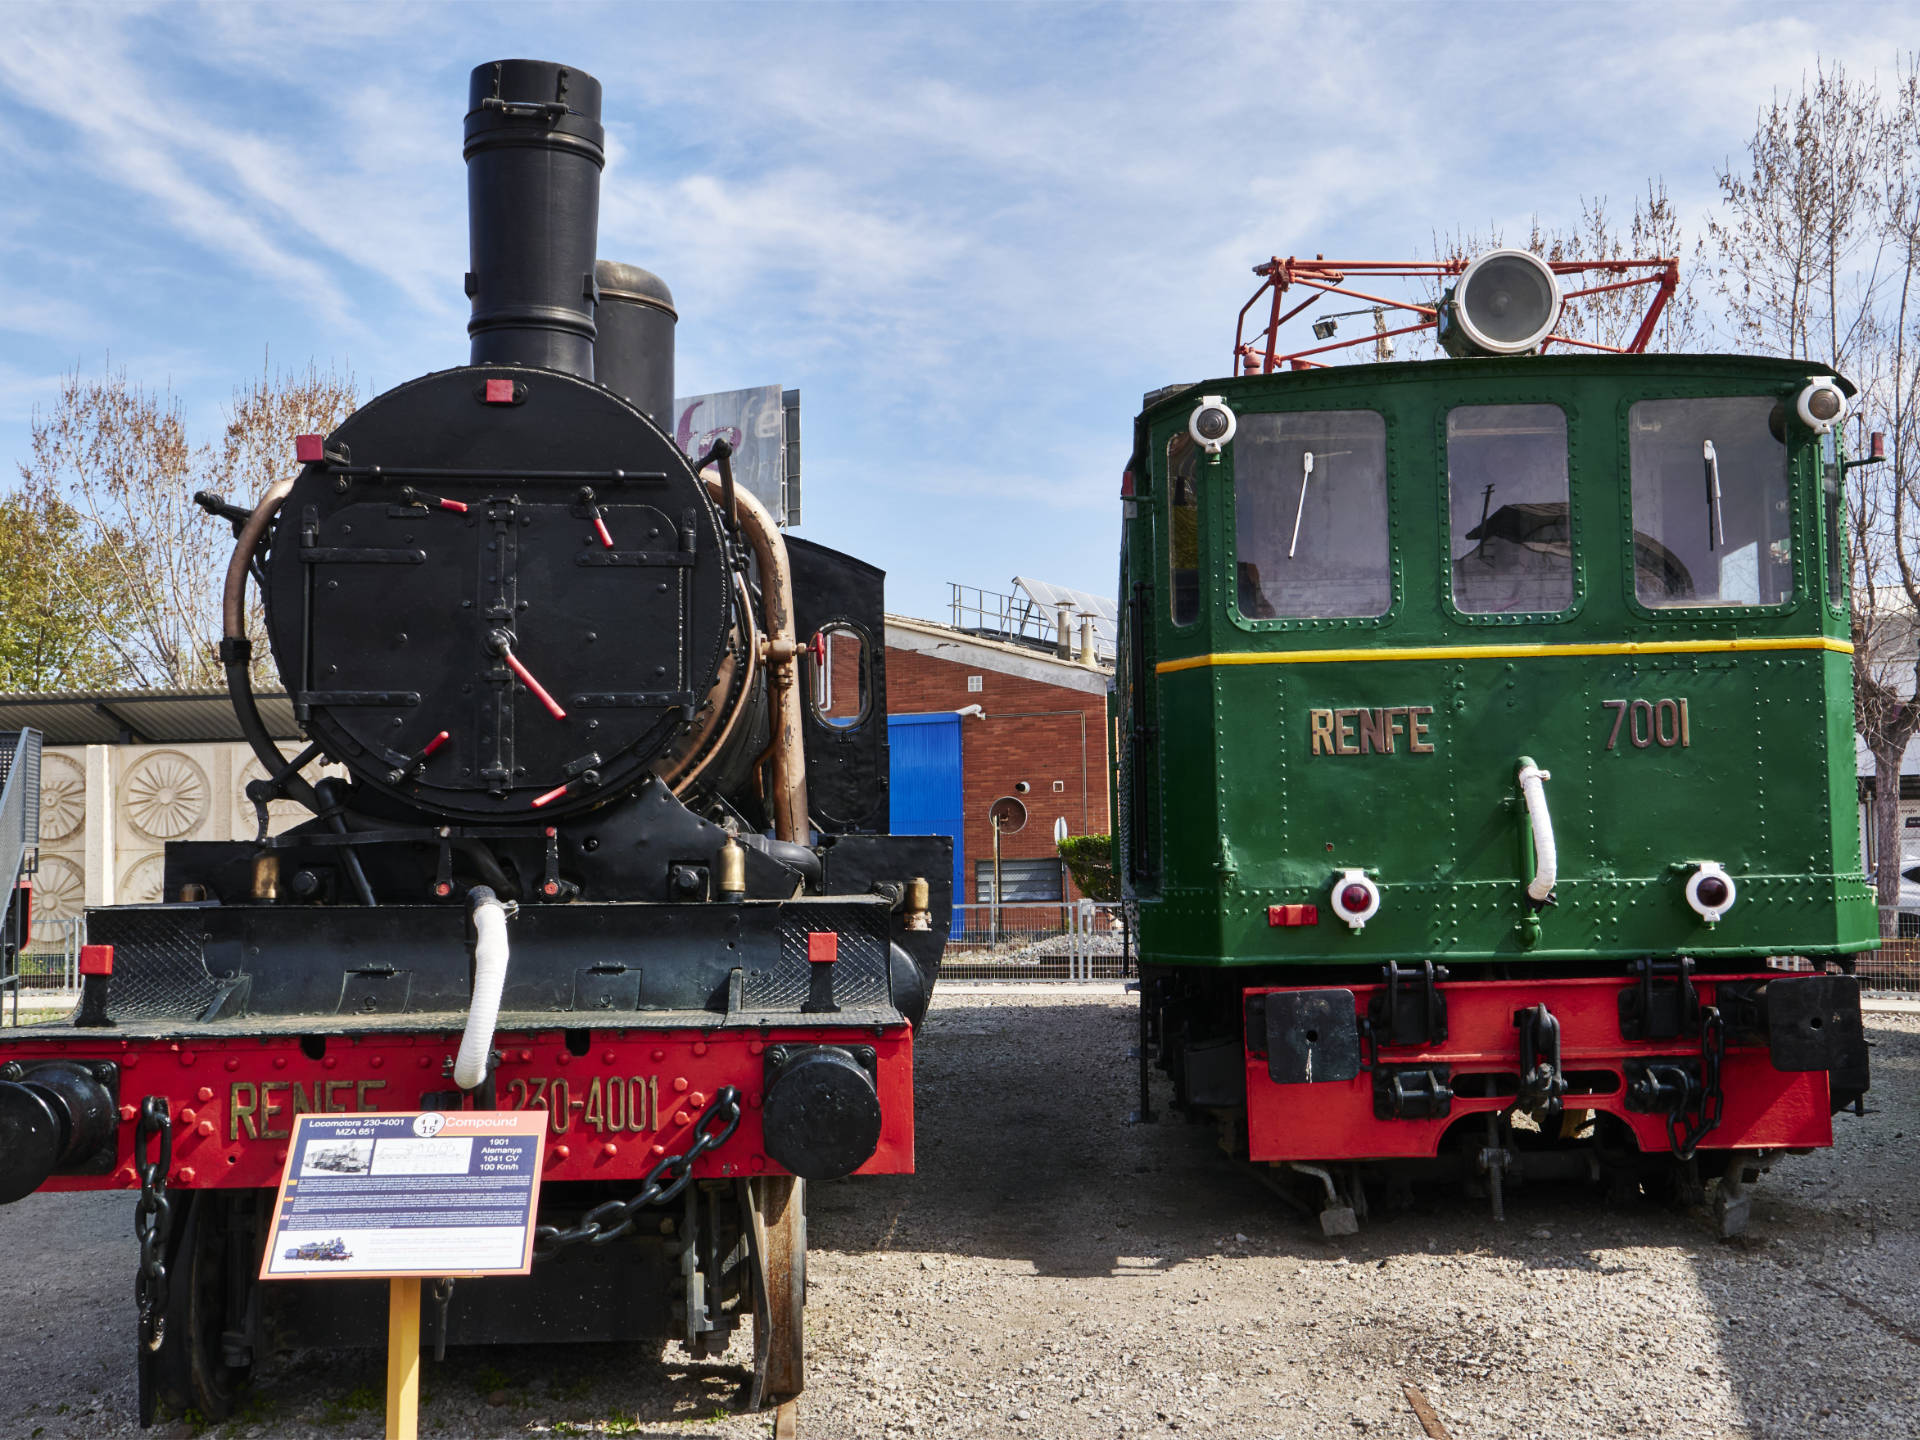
<point>763,426</point>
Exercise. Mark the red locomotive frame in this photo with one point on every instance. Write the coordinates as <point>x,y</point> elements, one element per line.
<point>1765,1108</point>
<point>232,1100</point>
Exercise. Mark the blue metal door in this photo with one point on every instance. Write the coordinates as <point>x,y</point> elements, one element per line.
<point>924,778</point>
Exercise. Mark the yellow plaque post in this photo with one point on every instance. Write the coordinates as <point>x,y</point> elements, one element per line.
<point>337,1166</point>
<point>403,1358</point>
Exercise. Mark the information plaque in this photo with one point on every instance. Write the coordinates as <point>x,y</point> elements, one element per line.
<point>438,1193</point>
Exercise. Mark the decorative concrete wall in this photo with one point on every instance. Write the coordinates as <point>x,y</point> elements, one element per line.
<point>107,812</point>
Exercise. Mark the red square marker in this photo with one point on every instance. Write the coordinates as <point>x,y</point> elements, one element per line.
<point>823,947</point>
<point>309,449</point>
<point>1278,915</point>
<point>96,959</point>
<point>499,392</point>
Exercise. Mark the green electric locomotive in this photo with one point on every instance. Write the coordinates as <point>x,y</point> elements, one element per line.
<point>1486,779</point>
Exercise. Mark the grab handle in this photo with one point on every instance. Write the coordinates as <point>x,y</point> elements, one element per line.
<point>1546,860</point>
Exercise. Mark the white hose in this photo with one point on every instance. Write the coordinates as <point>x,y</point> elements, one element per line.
<point>1546,861</point>
<point>489,980</point>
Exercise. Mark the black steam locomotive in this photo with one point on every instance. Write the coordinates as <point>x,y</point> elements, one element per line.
<point>604,851</point>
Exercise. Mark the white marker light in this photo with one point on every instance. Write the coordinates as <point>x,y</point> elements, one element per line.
<point>1711,891</point>
<point>1356,899</point>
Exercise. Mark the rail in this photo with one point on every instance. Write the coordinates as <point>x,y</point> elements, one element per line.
<point>1023,620</point>
<point>19,849</point>
<point>1620,285</point>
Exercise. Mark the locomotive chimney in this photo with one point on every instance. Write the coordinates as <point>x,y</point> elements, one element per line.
<point>534,152</point>
<point>633,353</point>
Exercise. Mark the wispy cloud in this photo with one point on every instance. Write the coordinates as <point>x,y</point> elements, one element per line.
<point>971,234</point>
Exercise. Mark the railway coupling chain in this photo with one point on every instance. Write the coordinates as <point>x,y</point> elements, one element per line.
<point>1688,1092</point>
<point>152,1224</point>
<point>663,1184</point>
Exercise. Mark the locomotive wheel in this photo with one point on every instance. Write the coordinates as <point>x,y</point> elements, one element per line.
<point>777,1227</point>
<point>189,1373</point>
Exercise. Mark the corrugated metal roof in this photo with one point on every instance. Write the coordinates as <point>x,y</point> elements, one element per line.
<point>138,717</point>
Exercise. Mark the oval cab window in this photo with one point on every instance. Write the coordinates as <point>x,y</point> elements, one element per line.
<point>839,676</point>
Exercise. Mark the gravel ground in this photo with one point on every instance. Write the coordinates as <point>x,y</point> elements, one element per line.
<point>1051,1272</point>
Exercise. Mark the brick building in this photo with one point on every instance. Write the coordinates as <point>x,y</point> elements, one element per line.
<point>1030,724</point>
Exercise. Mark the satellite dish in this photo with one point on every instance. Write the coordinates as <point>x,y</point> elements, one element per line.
<point>1007,814</point>
<point>1059,829</point>
<point>1505,303</point>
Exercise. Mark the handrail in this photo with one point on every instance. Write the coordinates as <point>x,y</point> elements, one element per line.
<point>19,844</point>
<point>994,614</point>
<point>1546,859</point>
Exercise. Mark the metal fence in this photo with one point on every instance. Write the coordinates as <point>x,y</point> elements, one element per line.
<point>1072,940</point>
<point>52,960</point>
<point>1893,969</point>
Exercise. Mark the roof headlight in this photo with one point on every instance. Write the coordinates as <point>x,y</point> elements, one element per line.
<point>1506,302</point>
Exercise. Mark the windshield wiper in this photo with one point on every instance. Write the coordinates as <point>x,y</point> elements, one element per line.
<point>1306,471</point>
<point>1716,527</point>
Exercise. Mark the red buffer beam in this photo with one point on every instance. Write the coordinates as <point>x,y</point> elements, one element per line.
<point>1338,1119</point>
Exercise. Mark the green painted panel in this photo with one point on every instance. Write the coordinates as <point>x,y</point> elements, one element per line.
<point>1658,761</point>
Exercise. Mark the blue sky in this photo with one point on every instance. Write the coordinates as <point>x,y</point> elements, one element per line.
<point>970,235</point>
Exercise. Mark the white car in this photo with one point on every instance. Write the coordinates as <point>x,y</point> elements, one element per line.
<point>1907,918</point>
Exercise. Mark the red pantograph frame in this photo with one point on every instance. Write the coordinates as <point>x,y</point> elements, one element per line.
<point>1263,355</point>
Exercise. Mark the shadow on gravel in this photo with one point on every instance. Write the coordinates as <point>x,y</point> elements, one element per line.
<point>1023,1152</point>
<point>1818,1304</point>
<point>1808,1325</point>
<point>1571,1318</point>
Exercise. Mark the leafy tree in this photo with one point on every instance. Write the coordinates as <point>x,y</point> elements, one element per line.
<point>54,622</point>
<point>116,458</point>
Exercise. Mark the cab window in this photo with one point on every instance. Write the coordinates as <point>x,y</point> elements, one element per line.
<point>1512,537</point>
<point>1712,511</point>
<point>1183,529</point>
<point>1310,515</point>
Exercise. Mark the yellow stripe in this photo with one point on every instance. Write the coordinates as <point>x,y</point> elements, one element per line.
<point>1505,652</point>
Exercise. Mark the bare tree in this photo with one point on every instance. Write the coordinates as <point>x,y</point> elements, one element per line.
<point>1884,503</point>
<point>1653,231</point>
<point>118,454</point>
<point>256,449</point>
<point>1819,259</point>
<point>146,560</point>
<point>1799,241</point>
